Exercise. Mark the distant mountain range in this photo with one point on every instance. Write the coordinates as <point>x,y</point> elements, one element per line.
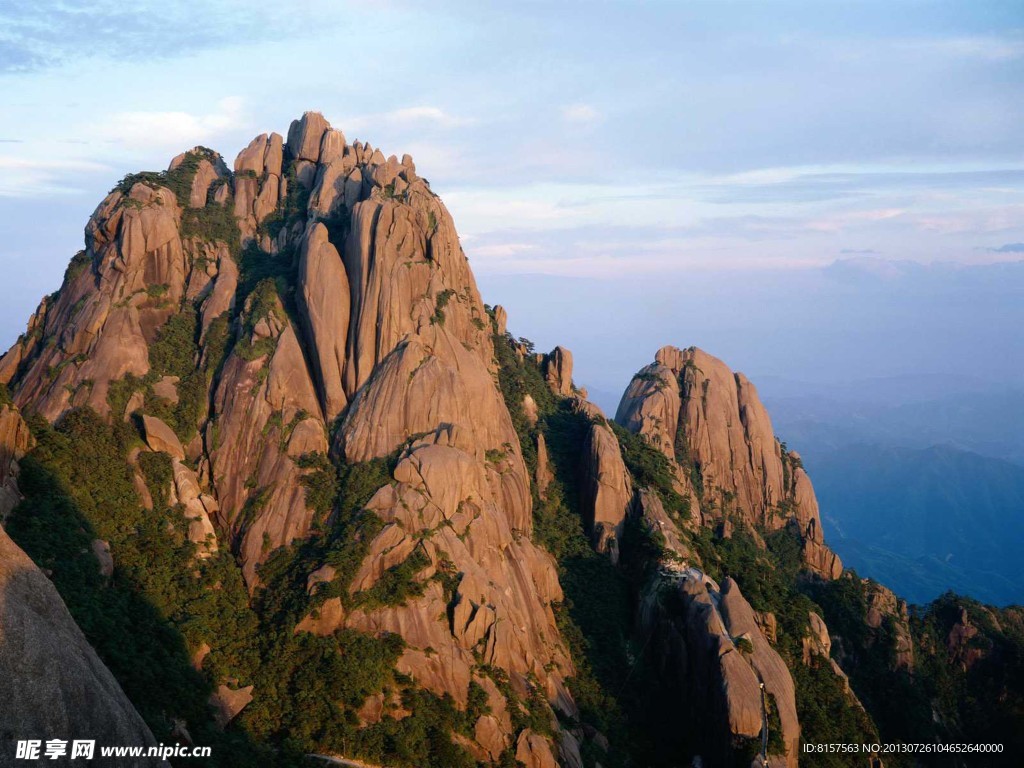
<point>913,412</point>
<point>921,479</point>
<point>925,520</point>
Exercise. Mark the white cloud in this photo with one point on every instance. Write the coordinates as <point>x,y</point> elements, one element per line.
<point>405,117</point>
<point>24,164</point>
<point>149,131</point>
<point>580,113</point>
<point>426,114</point>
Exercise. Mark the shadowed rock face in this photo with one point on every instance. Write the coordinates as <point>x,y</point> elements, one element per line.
<point>62,689</point>
<point>711,424</point>
<point>55,686</point>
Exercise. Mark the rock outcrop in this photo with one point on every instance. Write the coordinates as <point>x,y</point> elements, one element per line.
<point>544,475</point>
<point>767,665</point>
<point>267,418</point>
<point>712,426</point>
<point>721,658</point>
<point>558,371</point>
<point>961,651</point>
<point>884,608</point>
<point>324,296</point>
<point>228,702</point>
<point>446,504</point>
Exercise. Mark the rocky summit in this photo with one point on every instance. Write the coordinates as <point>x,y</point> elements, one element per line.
<point>276,480</point>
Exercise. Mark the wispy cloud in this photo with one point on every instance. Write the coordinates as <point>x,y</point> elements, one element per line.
<point>814,184</point>
<point>38,35</point>
<point>843,221</point>
<point>168,131</point>
<point>23,177</point>
<point>996,219</point>
<point>580,113</point>
<point>504,250</point>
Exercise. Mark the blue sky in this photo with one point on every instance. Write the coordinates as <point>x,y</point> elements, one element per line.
<point>729,142</point>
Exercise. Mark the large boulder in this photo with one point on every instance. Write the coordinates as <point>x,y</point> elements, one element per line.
<point>161,438</point>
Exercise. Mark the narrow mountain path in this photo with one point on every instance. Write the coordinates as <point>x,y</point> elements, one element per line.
<point>334,760</point>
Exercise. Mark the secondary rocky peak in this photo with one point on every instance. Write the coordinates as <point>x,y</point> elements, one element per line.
<point>711,424</point>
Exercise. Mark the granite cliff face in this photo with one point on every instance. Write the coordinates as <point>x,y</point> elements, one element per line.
<point>404,536</point>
